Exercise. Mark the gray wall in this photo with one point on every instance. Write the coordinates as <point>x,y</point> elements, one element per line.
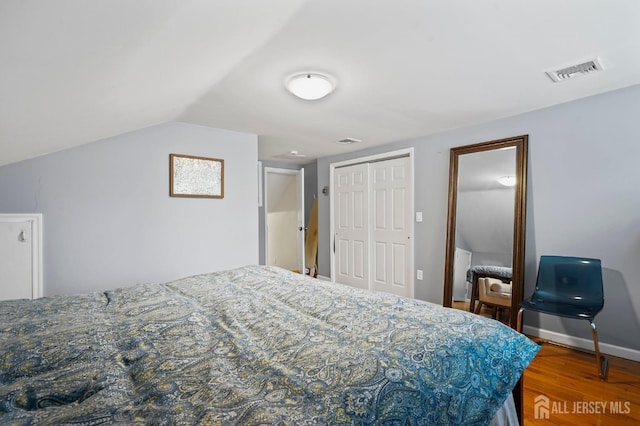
<point>582,200</point>
<point>109,220</point>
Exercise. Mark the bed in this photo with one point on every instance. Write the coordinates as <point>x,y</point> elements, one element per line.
<point>253,345</point>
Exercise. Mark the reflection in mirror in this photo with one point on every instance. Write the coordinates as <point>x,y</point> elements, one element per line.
<point>485,233</point>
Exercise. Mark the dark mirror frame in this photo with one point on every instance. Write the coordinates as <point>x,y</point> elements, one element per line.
<point>520,143</point>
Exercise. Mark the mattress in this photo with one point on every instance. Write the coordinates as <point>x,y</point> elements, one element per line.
<point>253,345</point>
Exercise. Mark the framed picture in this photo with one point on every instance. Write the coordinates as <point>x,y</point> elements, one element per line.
<point>200,177</point>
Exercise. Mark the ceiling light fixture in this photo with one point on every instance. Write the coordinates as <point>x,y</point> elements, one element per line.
<point>295,154</point>
<point>507,180</point>
<point>310,85</point>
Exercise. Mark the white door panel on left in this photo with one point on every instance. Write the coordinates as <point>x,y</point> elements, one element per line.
<point>351,226</point>
<point>20,263</point>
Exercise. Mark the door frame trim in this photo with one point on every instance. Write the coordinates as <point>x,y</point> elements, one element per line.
<point>389,155</point>
<point>37,283</point>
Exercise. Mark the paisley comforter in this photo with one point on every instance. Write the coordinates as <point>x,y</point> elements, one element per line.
<point>255,345</point>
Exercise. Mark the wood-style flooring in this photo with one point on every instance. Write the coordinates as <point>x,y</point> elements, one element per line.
<point>565,382</point>
<point>574,393</point>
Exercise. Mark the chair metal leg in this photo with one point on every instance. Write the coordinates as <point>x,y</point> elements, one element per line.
<point>601,360</point>
<point>519,321</point>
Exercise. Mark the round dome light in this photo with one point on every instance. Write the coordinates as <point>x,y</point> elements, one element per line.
<point>507,180</point>
<point>310,86</point>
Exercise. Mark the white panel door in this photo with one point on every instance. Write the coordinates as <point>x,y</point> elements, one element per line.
<point>391,221</point>
<point>351,225</point>
<point>20,275</point>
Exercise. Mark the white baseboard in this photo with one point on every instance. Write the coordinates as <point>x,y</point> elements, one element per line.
<point>323,278</point>
<point>584,344</point>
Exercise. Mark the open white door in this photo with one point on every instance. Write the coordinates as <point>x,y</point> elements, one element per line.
<point>284,218</point>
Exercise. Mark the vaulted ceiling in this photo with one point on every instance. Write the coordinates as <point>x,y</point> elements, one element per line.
<point>76,71</point>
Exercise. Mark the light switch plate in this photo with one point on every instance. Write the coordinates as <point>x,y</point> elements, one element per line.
<point>418,216</point>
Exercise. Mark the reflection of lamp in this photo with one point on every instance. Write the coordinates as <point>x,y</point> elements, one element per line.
<point>507,180</point>
<point>310,86</point>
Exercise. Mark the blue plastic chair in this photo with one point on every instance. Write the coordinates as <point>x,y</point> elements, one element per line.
<point>569,287</point>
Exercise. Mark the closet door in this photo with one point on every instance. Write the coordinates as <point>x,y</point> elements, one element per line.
<point>351,225</point>
<point>391,220</point>
<point>373,214</point>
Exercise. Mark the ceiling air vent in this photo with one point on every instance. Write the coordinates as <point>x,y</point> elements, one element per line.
<point>295,154</point>
<point>348,141</point>
<point>576,70</point>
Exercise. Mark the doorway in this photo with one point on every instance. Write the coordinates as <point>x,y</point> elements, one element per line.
<point>372,223</point>
<point>284,218</point>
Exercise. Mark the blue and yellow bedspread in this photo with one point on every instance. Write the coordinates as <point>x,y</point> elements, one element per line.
<point>255,345</point>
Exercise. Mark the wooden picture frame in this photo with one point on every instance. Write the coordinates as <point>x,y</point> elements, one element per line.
<point>197,177</point>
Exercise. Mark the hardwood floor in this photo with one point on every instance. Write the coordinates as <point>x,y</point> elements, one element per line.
<point>574,393</point>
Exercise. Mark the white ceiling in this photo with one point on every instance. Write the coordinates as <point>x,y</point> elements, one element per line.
<point>75,71</point>
<point>480,171</point>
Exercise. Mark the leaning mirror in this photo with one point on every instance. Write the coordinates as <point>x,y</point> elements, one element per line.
<point>484,261</point>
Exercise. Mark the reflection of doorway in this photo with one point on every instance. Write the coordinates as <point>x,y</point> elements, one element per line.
<point>461,264</point>
<point>284,218</point>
